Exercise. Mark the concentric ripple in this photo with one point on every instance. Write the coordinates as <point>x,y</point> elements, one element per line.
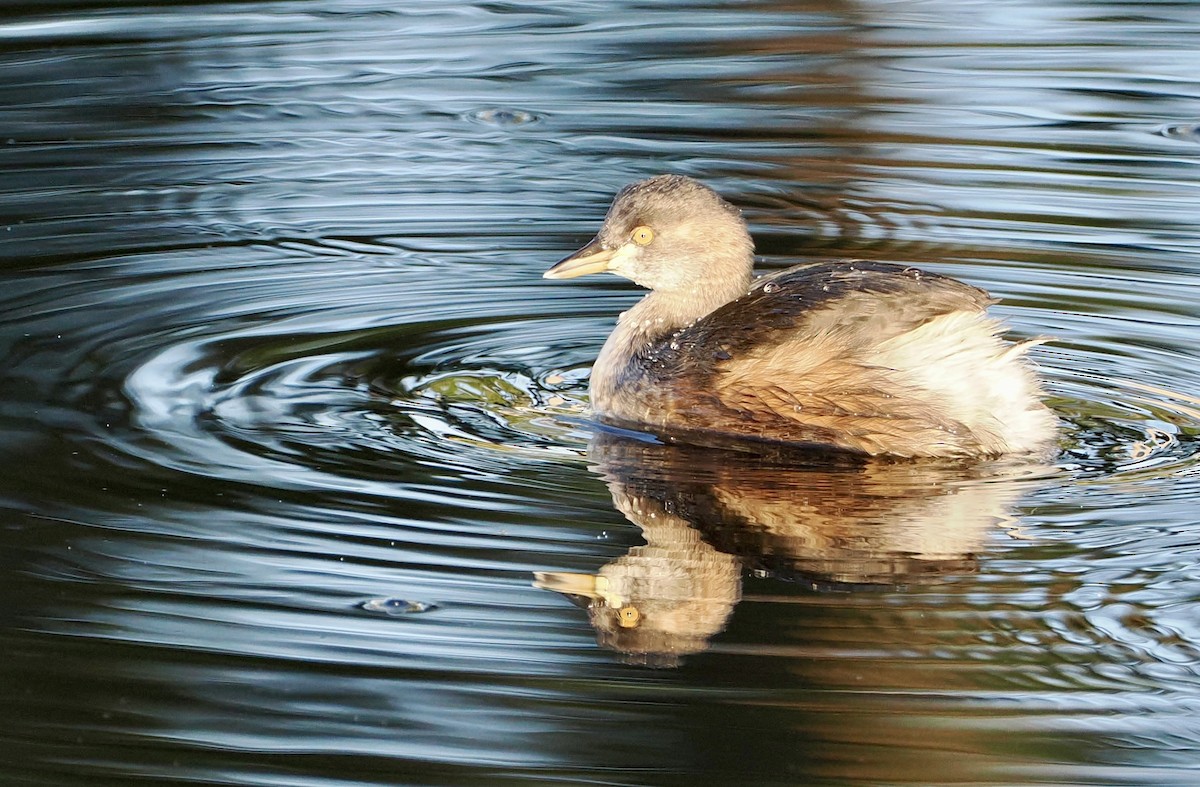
<point>336,409</point>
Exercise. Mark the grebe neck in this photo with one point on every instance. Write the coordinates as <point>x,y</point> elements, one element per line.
<point>650,320</point>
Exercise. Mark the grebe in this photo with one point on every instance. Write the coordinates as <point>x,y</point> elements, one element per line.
<point>866,357</point>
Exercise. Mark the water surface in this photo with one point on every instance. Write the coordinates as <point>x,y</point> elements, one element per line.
<point>290,420</point>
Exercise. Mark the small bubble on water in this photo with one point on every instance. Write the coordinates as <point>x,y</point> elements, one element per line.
<point>502,116</point>
<point>1189,132</point>
<point>395,607</point>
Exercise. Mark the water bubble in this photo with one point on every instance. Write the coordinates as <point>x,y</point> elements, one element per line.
<point>396,607</point>
<point>1189,132</point>
<point>503,116</point>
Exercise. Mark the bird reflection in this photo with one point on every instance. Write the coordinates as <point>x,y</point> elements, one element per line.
<point>710,516</point>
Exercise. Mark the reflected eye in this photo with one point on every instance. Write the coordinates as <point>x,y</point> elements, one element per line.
<point>642,235</point>
<point>628,617</point>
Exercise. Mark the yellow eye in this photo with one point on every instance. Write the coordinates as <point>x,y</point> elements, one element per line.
<point>628,617</point>
<point>642,235</point>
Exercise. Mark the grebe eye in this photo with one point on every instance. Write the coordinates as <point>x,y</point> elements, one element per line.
<point>642,235</point>
<point>628,617</point>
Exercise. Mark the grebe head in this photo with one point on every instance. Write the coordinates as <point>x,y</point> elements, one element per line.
<point>671,234</point>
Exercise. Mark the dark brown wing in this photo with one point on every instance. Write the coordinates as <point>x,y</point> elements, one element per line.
<point>861,302</point>
<point>790,360</point>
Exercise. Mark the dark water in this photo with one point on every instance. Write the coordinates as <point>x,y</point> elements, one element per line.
<point>290,420</point>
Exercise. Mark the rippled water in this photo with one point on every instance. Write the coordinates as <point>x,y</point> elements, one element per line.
<point>295,436</point>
